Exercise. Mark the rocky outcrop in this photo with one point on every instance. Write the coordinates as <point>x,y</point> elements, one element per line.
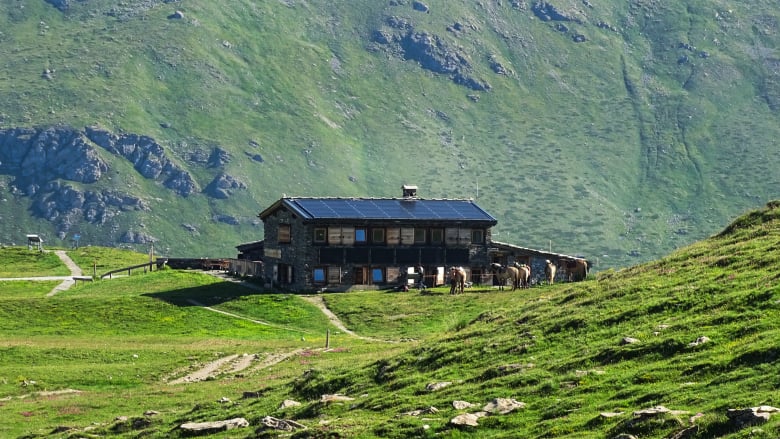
<point>548,12</point>
<point>62,5</point>
<point>42,162</point>
<point>35,156</point>
<point>148,158</point>
<point>223,186</point>
<point>66,206</point>
<point>429,50</point>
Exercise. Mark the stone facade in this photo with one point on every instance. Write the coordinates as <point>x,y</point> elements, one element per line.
<point>304,252</point>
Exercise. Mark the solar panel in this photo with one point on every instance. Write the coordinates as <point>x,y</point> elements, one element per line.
<point>390,209</point>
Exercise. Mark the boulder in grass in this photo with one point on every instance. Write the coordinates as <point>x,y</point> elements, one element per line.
<point>203,428</point>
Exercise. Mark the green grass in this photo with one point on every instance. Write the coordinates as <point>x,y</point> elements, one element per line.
<point>101,260</point>
<point>21,262</point>
<point>559,349</point>
<point>26,288</point>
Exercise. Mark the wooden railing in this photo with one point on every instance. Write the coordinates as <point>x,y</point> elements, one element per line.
<point>145,266</point>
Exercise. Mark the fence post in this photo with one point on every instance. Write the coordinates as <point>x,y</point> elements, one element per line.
<point>327,339</point>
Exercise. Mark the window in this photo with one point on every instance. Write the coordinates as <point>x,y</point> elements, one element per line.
<point>334,235</point>
<point>407,236</point>
<point>419,236</point>
<point>320,235</point>
<point>348,235</point>
<point>477,236</point>
<point>318,275</point>
<point>334,275</point>
<point>437,236</point>
<point>284,234</point>
<point>393,236</point>
<point>360,235</point>
<point>377,276</point>
<point>378,236</point>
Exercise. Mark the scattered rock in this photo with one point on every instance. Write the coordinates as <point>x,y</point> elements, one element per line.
<point>426,411</point>
<point>227,219</point>
<point>287,403</point>
<point>432,387</point>
<point>462,405</point>
<point>178,15</point>
<point>335,398</point>
<point>467,419</point>
<point>547,12</point>
<point>213,427</point>
<point>685,432</point>
<point>420,6</point>
<point>503,406</point>
<point>701,340</point>
<point>751,416</point>
<point>610,414</point>
<point>628,340</point>
<point>131,237</point>
<point>281,424</point>
<point>657,410</point>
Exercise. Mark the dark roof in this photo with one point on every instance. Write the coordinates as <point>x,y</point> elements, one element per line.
<point>534,252</point>
<point>383,209</point>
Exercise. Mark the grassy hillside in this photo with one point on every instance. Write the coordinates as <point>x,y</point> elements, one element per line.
<point>648,135</point>
<point>583,357</point>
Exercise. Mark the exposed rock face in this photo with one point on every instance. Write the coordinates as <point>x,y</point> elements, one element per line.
<point>547,12</point>
<point>223,185</point>
<point>62,5</point>
<point>36,156</point>
<point>131,237</point>
<point>62,204</point>
<point>42,161</point>
<point>148,158</point>
<point>431,51</point>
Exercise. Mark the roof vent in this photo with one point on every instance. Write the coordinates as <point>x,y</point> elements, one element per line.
<point>409,191</point>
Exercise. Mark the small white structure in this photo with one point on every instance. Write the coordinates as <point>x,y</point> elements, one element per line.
<point>34,241</point>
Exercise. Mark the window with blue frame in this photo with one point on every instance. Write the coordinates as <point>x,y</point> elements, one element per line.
<point>360,235</point>
<point>318,275</point>
<point>377,275</point>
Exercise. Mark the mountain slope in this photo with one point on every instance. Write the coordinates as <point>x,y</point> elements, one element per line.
<point>692,332</point>
<point>691,336</point>
<point>618,131</point>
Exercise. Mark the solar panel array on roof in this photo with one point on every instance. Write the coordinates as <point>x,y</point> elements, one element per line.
<point>364,208</point>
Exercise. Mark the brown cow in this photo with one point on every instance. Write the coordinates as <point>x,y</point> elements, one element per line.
<point>578,269</point>
<point>524,271</point>
<point>503,273</point>
<point>457,279</point>
<point>549,272</point>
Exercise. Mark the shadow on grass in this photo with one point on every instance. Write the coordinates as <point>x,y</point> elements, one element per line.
<point>208,295</point>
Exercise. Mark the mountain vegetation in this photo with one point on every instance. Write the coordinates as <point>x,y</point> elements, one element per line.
<point>684,346</point>
<point>614,130</point>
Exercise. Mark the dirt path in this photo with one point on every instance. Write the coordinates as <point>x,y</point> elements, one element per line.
<point>232,364</point>
<point>75,270</point>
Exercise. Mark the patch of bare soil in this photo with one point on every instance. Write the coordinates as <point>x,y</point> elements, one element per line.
<point>221,366</point>
<point>233,364</point>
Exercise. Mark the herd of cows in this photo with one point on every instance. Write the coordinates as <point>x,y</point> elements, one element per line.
<point>518,275</point>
